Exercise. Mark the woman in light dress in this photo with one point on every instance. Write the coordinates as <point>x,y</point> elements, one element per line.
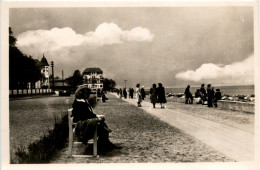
<point>138,95</point>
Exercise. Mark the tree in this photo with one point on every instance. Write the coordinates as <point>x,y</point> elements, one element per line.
<point>75,80</point>
<point>108,84</point>
<point>22,68</point>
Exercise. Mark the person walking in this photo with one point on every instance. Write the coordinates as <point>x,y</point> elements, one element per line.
<point>138,95</point>
<point>143,92</point>
<point>132,93</point>
<point>203,94</point>
<point>129,93</point>
<point>125,93</point>
<point>153,95</point>
<point>188,96</point>
<point>120,93</point>
<point>161,95</point>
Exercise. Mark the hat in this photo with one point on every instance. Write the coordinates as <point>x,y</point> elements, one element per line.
<point>81,90</point>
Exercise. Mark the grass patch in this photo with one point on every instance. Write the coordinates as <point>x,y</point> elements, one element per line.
<point>38,128</point>
<point>41,151</point>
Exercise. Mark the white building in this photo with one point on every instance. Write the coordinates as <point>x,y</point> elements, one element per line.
<point>45,80</point>
<point>93,78</point>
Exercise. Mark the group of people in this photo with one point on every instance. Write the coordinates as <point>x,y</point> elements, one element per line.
<point>157,94</point>
<point>203,96</point>
<point>123,93</point>
<point>86,119</point>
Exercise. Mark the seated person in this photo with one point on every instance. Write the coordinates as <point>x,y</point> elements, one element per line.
<point>198,97</point>
<point>83,114</point>
<point>217,97</point>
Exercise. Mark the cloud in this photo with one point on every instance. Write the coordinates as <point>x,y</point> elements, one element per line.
<point>238,72</point>
<point>58,38</point>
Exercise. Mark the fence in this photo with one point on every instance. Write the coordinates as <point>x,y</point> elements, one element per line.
<point>27,92</point>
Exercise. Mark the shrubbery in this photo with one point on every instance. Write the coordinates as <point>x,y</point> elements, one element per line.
<point>42,150</point>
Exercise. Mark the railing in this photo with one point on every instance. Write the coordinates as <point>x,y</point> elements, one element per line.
<point>27,92</point>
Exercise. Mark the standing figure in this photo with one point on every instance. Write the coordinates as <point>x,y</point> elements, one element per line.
<point>120,93</point>
<point>153,95</point>
<point>210,94</point>
<point>188,96</point>
<point>143,92</point>
<point>104,98</point>
<point>132,93</point>
<point>125,93</point>
<point>138,95</point>
<point>129,93</point>
<point>203,94</point>
<point>161,95</point>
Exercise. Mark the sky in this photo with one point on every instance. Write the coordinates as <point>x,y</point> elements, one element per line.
<point>175,46</point>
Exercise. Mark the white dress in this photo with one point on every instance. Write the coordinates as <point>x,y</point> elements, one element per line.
<point>138,95</point>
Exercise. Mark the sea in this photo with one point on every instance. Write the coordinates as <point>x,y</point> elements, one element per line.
<point>225,90</point>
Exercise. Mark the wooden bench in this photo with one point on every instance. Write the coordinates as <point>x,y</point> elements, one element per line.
<point>71,138</point>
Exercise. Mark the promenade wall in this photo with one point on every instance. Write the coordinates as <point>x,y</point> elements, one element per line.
<point>237,106</point>
<point>28,92</point>
<point>247,107</point>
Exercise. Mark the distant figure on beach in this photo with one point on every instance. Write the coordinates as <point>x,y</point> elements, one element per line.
<point>125,93</point>
<point>210,94</point>
<point>203,94</point>
<point>188,95</point>
<point>120,93</point>
<point>103,96</point>
<point>161,95</point>
<point>86,120</point>
<point>197,97</point>
<point>143,92</point>
<point>99,93</point>
<point>131,93</point>
<point>217,97</point>
<point>153,95</point>
<point>138,95</point>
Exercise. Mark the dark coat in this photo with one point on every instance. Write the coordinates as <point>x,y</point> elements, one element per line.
<point>161,95</point>
<point>187,92</point>
<point>82,113</point>
<point>203,93</point>
<point>153,95</point>
<point>143,93</point>
<point>218,95</point>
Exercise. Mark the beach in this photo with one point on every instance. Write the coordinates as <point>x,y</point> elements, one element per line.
<point>246,90</point>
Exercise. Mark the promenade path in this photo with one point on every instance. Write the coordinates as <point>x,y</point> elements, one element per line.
<point>234,143</point>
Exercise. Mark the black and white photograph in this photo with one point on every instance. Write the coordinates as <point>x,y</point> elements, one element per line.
<point>141,84</point>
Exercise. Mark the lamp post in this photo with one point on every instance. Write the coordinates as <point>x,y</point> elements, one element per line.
<point>52,65</point>
<point>125,83</point>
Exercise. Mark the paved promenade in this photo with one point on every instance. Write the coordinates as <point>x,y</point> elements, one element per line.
<point>234,143</point>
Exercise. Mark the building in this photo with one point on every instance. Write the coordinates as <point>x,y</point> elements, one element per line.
<point>45,79</point>
<point>93,78</point>
<point>60,84</point>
